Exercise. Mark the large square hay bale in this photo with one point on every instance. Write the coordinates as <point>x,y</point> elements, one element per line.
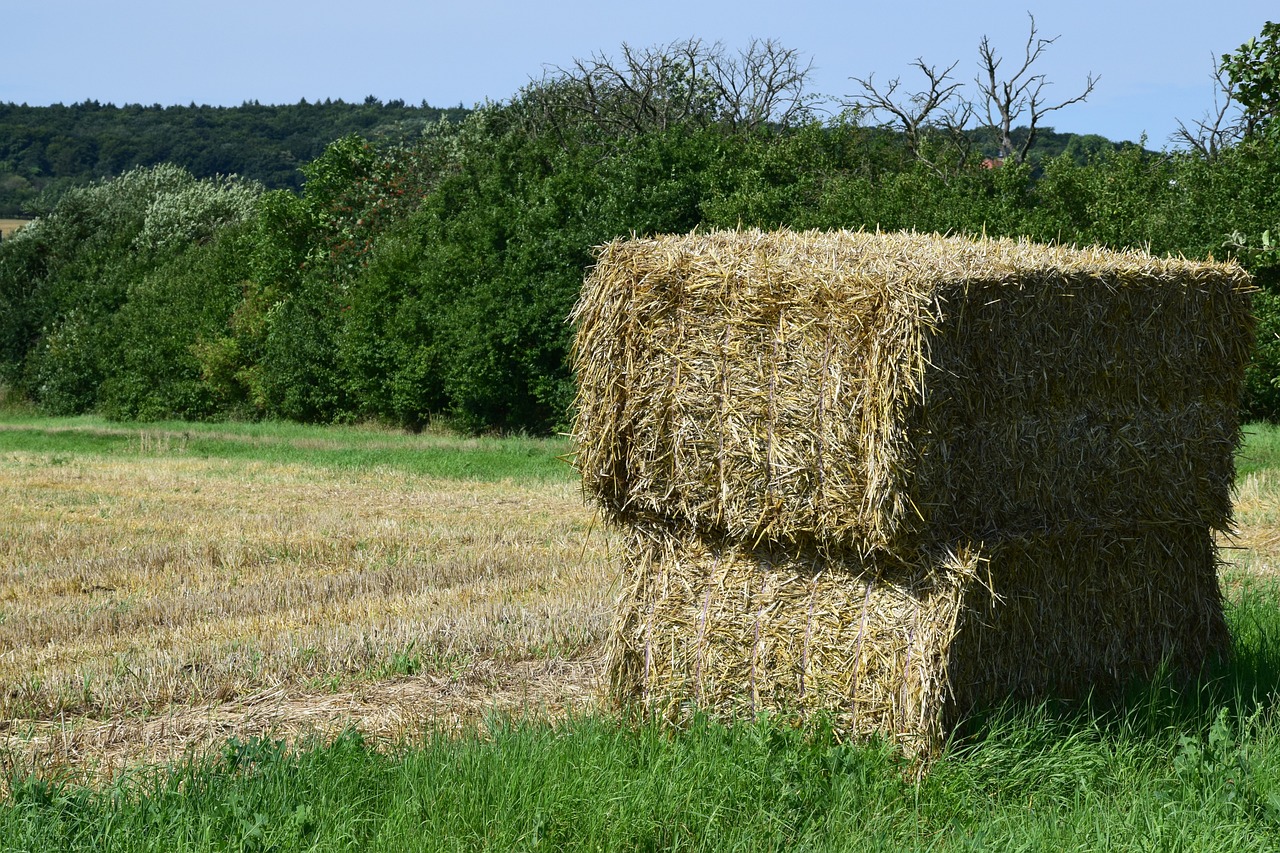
<point>896,477</point>
<point>736,630</point>
<point>888,390</point>
<point>904,649</point>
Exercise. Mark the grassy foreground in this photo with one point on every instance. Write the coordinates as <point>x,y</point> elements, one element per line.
<point>1196,773</point>
<point>146,583</point>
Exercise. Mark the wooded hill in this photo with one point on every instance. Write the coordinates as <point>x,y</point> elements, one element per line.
<point>46,149</point>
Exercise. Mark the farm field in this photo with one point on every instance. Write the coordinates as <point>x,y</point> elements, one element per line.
<point>8,226</point>
<point>278,612</point>
<point>162,590</point>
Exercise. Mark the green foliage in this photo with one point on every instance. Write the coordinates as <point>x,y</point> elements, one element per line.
<point>1254,72</point>
<point>45,151</point>
<point>1262,377</point>
<point>167,321</point>
<point>410,281</point>
<point>98,289</point>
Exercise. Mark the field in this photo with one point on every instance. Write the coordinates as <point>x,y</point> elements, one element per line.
<point>8,226</point>
<point>163,588</point>
<point>276,612</point>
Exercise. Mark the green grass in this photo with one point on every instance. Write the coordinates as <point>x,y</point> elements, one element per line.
<point>331,447</point>
<point>357,448</point>
<point>1193,770</point>
<point>1260,449</point>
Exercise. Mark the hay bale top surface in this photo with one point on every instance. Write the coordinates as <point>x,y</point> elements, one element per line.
<point>863,260</point>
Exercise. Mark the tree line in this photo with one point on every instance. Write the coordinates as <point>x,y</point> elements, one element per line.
<point>46,150</point>
<point>429,279</point>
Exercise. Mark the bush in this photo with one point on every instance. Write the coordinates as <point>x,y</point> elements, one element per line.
<point>67,280</point>
<point>1262,377</point>
<point>170,317</point>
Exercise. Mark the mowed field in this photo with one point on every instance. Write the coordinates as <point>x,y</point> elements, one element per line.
<point>165,588</point>
<point>8,226</point>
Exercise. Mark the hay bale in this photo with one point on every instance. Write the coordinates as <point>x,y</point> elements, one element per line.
<point>894,390</point>
<point>736,630</point>
<point>906,649</point>
<point>1082,612</point>
<point>893,478</point>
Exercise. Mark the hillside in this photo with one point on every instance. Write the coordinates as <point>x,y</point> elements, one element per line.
<point>44,150</point>
<point>51,148</point>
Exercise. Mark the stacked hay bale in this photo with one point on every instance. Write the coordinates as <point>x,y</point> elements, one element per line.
<point>892,477</point>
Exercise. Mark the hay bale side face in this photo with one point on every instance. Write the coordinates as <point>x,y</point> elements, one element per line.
<point>904,650</point>
<point>878,390</point>
<point>1087,614</point>
<point>1108,399</point>
<point>736,631</point>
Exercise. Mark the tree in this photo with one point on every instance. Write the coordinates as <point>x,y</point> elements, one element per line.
<point>682,83</point>
<point>1220,127</point>
<point>1254,74</point>
<point>942,113</point>
<point>1020,95</point>
<point>940,109</point>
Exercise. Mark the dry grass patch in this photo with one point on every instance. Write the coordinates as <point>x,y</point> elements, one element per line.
<point>8,226</point>
<point>1254,550</point>
<point>132,586</point>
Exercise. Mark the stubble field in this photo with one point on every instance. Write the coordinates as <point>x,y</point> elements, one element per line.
<point>163,589</point>
<point>8,226</point>
<point>156,600</point>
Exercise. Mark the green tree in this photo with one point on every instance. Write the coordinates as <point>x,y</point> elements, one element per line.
<point>165,326</point>
<point>65,278</point>
<point>1254,73</point>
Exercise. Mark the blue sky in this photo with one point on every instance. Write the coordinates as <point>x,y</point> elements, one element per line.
<point>1154,58</point>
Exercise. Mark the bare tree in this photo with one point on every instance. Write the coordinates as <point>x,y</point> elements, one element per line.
<point>919,115</point>
<point>763,85</point>
<point>1021,94</point>
<point>1220,127</point>
<point>659,87</point>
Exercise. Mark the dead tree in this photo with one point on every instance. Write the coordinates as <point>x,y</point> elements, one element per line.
<point>687,82</point>
<point>1222,126</point>
<point>763,85</point>
<point>1021,94</point>
<point>939,109</point>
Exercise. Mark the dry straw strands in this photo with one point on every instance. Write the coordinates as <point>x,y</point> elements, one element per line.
<point>1085,611</point>
<point>782,419</point>
<point>864,388</point>
<point>906,649</point>
<point>736,629</point>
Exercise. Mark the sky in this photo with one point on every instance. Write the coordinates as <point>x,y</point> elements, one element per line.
<point>1154,60</point>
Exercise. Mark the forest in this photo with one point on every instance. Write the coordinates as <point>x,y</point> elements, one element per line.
<point>422,267</point>
<point>46,150</point>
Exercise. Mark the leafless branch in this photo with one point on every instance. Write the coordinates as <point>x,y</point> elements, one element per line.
<point>1020,94</point>
<point>656,88</point>
<point>762,85</point>
<point>1221,126</point>
<point>936,109</point>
